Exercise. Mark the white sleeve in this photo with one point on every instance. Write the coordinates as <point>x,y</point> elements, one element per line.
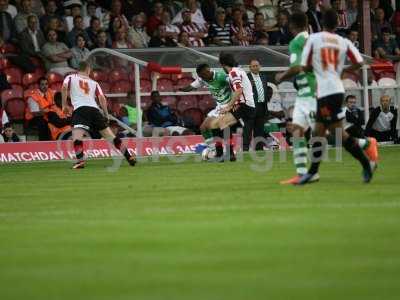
<point>307,52</point>
<point>4,118</point>
<point>235,80</point>
<point>197,84</point>
<point>33,106</point>
<point>352,53</point>
<point>99,91</point>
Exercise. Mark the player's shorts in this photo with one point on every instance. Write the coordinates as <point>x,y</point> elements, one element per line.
<point>330,109</point>
<point>88,118</point>
<point>304,112</point>
<point>215,113</point>
<point>243,113</point>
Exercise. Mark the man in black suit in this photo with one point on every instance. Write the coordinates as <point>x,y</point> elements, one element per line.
<point>7,28</point>
<point>314,16</point>
<point>31,39</point>
<point>259,84</point>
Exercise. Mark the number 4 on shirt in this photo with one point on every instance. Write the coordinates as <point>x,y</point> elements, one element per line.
<point>84,85</point>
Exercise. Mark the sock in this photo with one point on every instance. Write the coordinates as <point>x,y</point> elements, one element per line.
<point>300,155</point>
<point>219,149</point>
<point>78,148</point>
<point>118,144</point>
<point>351,145</point>
<point>363,143</point>
<point>231,143</point>
<point>317,151</point>
<point>208,136</point>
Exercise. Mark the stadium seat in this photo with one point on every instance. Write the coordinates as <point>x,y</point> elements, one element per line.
<point>27,93</point>
<point>15,109</point>
<point>121,87</point>
<point>390,91</point>
<point>54,78</point>
<point>165,85</point>
<point>206,103</point>
<point>145,103</point>
<point>118,75</point>
<point>186,102</point>
<point>56,86</point>
<point>5,63</point>
<point>16,93</point>
<point>14,75</point>
<point>145,86</point>
<point>29,79</point>
<point>99,76</point>
<point>144,74</point>
<point>36,61</point>
<point>195,114</point>
<point>170,101</point>
<point>105,86</point>
<point>183,82</point>
<point>9,49</point>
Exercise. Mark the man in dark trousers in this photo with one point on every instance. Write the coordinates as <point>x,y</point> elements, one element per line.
<point>259,84</point>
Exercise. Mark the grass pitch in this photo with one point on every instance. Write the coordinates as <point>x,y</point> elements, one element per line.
<point>199,231</point>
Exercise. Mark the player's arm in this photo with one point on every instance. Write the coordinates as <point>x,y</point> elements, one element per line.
<point>355,57</point>
<point>64,95</point>
<point>191,87</point>
<point>103,104</point>
<point>288,74</point>
<point>237,92</point>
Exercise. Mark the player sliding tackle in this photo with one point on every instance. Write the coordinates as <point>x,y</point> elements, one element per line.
<point>86,114</point>
<point>217,84</point>
<point>325,52</point>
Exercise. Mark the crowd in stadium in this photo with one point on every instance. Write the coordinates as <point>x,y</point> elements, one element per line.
<point>54,35</point>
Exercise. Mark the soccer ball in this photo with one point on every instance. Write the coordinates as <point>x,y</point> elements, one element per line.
<point>208,153</point>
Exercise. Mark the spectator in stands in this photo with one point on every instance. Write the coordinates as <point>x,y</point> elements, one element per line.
<point>352,11</point>
<point>314,16</point>
<point>50,11</point>
<point>343,22</point>
<point>121,40</point>
<point>280,34</point>
<point>155,20</point>
<point>172,7</point>
<point>260,31</point>
<point>241,32</point>
<point>79,52</point>
<point>75,7</point>
<point>220,31</point>
<point>11,9</point>
<point>161,39</point>
<point>102,40</point>
<point>208,9</point>
<point>197,32</point>
<point>373,5</point>
<point>93,30</point>
<point>78,30</point>
<point>354,117</point>
<point>386,47</point>
<point>259,84</point>
<point>56,54</point>
<point>21,19</point>
<point>195,14</point>
<point>137,34</point>
<point>378,23</point>
<point>116,13</point>
<point>55,24</point>
<point>382,122</point>
<point>7,28</point>
<point>171,31</point>
<point>184,39</point>
<point>31,39</point>
<point>8,135</point>
<point>386,5</point>
<point>132,8</point>
<point>353,37</point>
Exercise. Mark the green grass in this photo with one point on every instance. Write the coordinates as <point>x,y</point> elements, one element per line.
<point>199,231</point>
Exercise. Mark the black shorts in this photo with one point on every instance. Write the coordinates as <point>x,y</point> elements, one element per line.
<point>88,118</point>
<point>243,113</point>
<point>330,109</point>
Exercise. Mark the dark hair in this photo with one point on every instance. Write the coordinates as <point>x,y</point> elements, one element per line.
<point>330,19</point>
<point>200,68</point>
<point>77,17</point>
<point>42,79</point>
<point>235,10</point>
<point>227,59</point>
<point>30,17</point>
<point>258,14</point>
<point>386,30</point>
<point>155,93</point>
<point>92,19</point>
<point>83,65</point>
<point>78,36</point>
<point>350,97</point>
<point>299,20</point>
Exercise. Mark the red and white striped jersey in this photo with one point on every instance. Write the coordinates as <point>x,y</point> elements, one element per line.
<point>238,79</point>
<point>83,90</point>
<point>326,53</point>
<point>192,28</point>
<point>247,32</point>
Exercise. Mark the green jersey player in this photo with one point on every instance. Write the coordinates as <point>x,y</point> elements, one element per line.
<point>217,83</point>
<point>306,105</point>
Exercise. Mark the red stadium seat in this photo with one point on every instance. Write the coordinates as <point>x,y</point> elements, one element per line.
<point>9,48</point>
<point>27,93</point>
<point>56,86</point>
<point>14,75</point>
<point>16,93</point>
<point>36,61</point>
<point>15,109</point>
<point>177,77</point>
<point>182,83</point>
<point>165,85</point>
<point>121,87</point>
<point>29,79</point>
<point>170,101</point>
<point>206,103</point>
<point>145,103</point>
<point>118,75</point>
<point>144,74</point>
<point>195,114</point>
<point>54,78</point>
<point>186,102</point>
<point>99,76</point>
<point>105,86</point>
<point>5,63</point>
<point>145,86</point>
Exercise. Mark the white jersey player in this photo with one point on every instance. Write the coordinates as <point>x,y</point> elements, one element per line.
<point>86,116</point>
<point>325,52</point>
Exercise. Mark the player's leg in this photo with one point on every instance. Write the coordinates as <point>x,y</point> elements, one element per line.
<point>117,142</point>
<point>77,139</point>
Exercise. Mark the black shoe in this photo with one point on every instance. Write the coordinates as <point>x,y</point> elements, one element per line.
<point>367,175</point>
<point>79,165</point>
<point>132,161</point>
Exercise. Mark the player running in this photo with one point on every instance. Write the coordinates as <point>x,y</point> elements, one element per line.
<point>325,52</point>
<point>86,114</point>
<point>306,105</point>
<point>217,84</point>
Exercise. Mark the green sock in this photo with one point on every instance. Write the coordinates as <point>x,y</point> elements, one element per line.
<point>300,155</point>
<point>208,136</point>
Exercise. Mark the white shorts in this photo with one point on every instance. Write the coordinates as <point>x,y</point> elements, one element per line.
<point>216,111</point>
<point>304,112</point>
